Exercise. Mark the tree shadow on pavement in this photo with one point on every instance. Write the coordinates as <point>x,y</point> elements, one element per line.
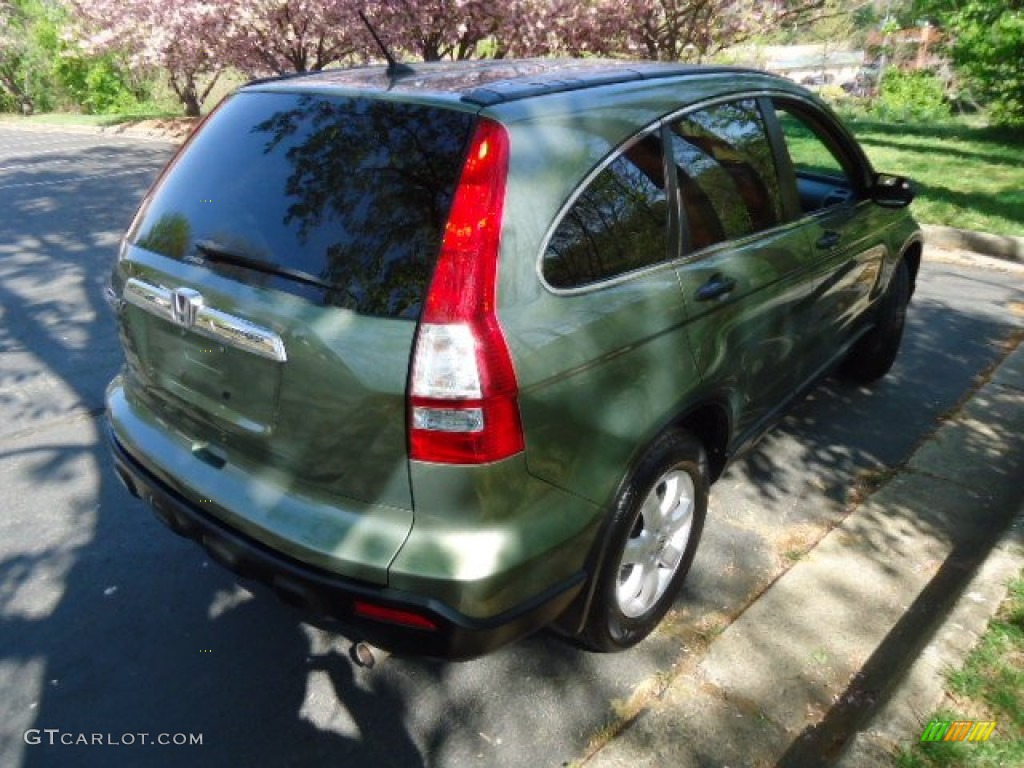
<point>112,626</point>
<point>822,741</point>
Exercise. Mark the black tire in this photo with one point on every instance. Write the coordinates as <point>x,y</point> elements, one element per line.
<point>675,464</point>
<point>873,355</point>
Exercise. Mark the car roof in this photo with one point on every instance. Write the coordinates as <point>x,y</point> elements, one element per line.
<point>490,82</point>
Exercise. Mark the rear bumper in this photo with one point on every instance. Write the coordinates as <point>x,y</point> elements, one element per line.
<point>406,623</point>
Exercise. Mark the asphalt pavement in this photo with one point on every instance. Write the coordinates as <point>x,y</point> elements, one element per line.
<point>111,625</point>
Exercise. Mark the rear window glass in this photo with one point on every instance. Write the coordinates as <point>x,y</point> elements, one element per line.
<point>348,195</point>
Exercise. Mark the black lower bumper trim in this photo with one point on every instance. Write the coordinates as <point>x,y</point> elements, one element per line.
<point>455,635</point>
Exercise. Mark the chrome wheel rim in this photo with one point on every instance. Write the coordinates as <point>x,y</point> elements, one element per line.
<point>656,544</point>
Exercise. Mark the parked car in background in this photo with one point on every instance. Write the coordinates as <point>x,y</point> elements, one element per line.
<point>821,78</point>
<point>455,352</point>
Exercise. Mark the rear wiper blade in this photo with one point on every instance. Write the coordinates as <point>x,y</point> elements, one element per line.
<point>218,253</point>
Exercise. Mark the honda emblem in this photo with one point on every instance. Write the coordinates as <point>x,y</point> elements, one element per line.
<point>185,305</point>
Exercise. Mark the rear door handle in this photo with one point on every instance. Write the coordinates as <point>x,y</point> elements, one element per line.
<point>828,240</point>
<point>718,286</point>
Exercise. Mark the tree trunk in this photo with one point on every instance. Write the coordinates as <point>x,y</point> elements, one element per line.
<point>184,86</point>
<point>191,104</point>
<point>9,80</point>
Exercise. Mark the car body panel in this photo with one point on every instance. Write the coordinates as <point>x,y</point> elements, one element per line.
<point>337,534</point>
<point>606,367</point>
<point>341,368</point>
<point>485,537</point>
<point>749,344</point>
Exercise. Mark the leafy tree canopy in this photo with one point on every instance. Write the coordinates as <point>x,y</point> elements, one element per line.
<point>986,46</point>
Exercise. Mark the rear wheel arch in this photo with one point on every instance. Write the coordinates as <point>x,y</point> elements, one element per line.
<point>652,531</point>
<point>709,424</point>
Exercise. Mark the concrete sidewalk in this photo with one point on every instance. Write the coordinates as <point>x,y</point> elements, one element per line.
<point>951,238</point>
<point>841,659</point>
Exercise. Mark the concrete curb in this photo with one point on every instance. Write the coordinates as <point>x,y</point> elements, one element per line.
<point>999,246</point>
<point>922,690</point>
<point>829,651</point>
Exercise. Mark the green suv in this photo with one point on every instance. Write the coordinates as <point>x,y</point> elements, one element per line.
<point>454,352</point>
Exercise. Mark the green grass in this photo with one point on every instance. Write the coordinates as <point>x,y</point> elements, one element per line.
<point>989,687</point>
<point>58,118</point>
<point>71,118</point>
<point>967,175</point>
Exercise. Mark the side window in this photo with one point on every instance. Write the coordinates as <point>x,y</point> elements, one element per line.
<point>618,224</point>
<point>726,173</point>
<point>821,177</point>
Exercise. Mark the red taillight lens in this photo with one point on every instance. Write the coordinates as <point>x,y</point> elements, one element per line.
<point>463,284</point>
<point>463,393</point>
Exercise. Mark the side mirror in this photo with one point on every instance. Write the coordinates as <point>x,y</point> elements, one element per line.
<point>892,191</point>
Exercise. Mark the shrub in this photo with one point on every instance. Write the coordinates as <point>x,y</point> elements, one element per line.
<point>910,97</point>
<point>97,84</point>
<point>833,94</point>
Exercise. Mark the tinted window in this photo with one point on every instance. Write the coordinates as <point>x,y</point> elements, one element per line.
<point>618,224</point>
<point>726,173</point>
<point>353,193</point>
<point>821,177</point>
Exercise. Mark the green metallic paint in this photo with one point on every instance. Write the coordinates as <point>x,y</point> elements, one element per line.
<point>749,344</point>
<point>313,450</point>
<point>344,536</point>
<point>607,367</point>
<point>488,538</point>
<point>338,426</point>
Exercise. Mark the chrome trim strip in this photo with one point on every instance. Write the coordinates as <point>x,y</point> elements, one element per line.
<point>693,256</point>
<point>239,333</point>
<point>113,300</point>
<point>211,323</point>
<point>151,298</point>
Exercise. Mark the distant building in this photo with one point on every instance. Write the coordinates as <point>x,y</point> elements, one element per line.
<point>912,48</point>
<point>814,65</point>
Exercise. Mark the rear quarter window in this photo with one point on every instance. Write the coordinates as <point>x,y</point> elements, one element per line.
<point>352,193</point>
<point>617,224</point>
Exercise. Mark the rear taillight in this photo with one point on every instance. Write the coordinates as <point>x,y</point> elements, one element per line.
<point>463,394</point>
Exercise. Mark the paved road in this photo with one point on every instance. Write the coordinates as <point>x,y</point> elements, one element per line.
<point>111,625</point>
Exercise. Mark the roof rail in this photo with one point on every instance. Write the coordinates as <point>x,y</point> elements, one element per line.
<point>515,89</point>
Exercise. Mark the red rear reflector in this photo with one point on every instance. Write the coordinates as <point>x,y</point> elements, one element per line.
<point>392,615</point>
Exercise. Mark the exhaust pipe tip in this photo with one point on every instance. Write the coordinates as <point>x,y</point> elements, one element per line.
<point>368,656</point>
